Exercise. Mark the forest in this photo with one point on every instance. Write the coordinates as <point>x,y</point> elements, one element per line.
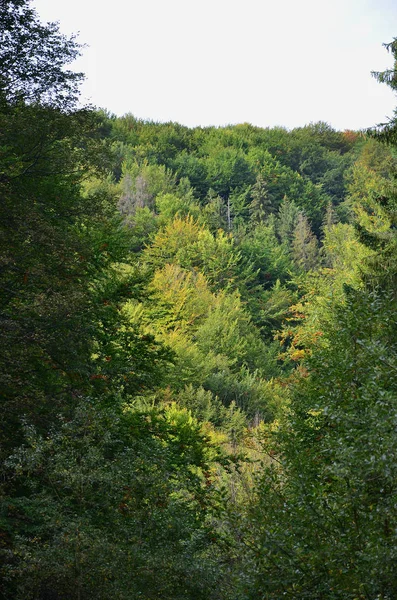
<point>198,366</point>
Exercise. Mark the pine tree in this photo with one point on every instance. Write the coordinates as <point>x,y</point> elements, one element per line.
<point>304,245</point>
<point>387,132</point>
<point>330,217</point>
<point>261,204</point>
<point>286,220</point>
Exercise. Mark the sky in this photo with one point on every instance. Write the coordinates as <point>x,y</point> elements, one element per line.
<point>216,62</point>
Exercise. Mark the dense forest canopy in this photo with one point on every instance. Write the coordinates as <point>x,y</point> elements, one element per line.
<point>198,348</point>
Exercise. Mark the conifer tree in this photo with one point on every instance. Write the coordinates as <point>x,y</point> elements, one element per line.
<point>261,204</point>
<point>387,132</point>
<point>330,217</point>
<point>304,245</point>
<point>286,220</point>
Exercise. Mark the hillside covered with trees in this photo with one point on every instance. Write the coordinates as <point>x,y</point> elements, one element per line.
<point>198,367</point>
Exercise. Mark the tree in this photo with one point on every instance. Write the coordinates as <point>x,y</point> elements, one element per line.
<point>304,245</point>
<point>229,331</point>
<point>328,494</point>
<point>327,502</point>
<point>61,290</point>
<point>286,220</point>
<point>387,132</point>
<point>261,204</point>
<point>228,168</point>
<point>33,57</point>
<point>181,299</point>
<point>112,503</point>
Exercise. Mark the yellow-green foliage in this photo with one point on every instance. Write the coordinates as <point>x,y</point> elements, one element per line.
<point>190,245</point>
<point>321,291</point>
<point>176,242</point>
<point>345,254</point>
<point>182,298</point>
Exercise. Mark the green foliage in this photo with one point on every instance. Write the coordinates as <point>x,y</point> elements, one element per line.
<point>386,132</point>
<point>327,496</point>
<point>304,245</point>
<point>282,181</point>
<point>207,407</point>
<point>228,168</point>
<point>110,504</point>
<point>336,479</point>
<point>62,330</point>
<point>172,205</point>
<point>181,299</point>
<point>215,212</point>
<point>344,253</point>
<point>270,260</point>
<point>143,227</point>
<point>163,298</point>
<point>189,165</point>
<point>261,204</point>
<point>228,331</point>
<point>287,219</point>
<point>258,398</point>
<point>273,309</point>
<point>186,243</point>
<point>33,58</point>
<point>238,209</point>
<point>61,292</point>
<point>141,184</point>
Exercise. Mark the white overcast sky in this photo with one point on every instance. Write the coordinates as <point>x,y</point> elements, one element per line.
<point>216,62</point>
